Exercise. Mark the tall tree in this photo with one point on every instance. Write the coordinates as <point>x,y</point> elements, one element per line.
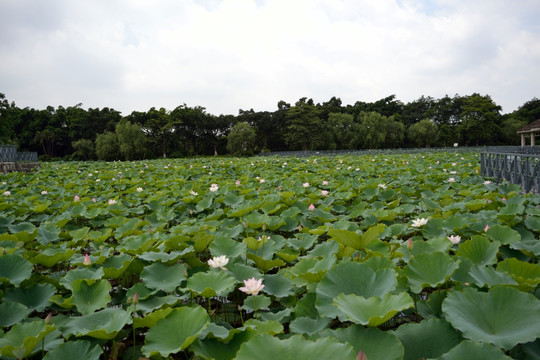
<point>423,134</point>
<point>480,121</point>
<point>306,130</point>
<point>131,140</point>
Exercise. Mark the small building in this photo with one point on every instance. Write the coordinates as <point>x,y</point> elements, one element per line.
<point>532,130</point>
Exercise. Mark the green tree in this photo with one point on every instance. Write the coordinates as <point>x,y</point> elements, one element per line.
<point>480,119</point>
<point>423,134</point>
<point>345,132</point>
<point>372,129</point>
<point>84,149</point>
<point>241,139</point>
<point>395,133</point>
<point>131,140</point>
<point>107,146</point>
<point>306,130</point>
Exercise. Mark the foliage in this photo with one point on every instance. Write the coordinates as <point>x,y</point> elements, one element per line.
<point>84,149</point>
<point>131,140</point>
<point>112,259</point>
<point>423,134</point>
<point>107,146</point>
<point>241,139</point>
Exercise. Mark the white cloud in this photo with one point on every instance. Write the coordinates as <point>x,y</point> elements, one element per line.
<point>232,54</point>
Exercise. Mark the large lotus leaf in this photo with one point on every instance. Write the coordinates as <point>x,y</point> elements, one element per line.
<point>488,276</point>
<point>163,277</point>
<point>89,298</point>
<point>372,311</point>
<point>302,241</point>
<point>157,302</point>
<point>35,297</point>
<point>429,270</point>
<point>12,312</point>
<point>14,269</point>
<point>176,332</point>
<point>530,247</point>
<point>352,278</point>
<point>115,266</point>
<point>264,346</point>
<point>24,231</point>
<point>263,327</point>
<point>211,348</point>
<point>104,324</point>
<point>256,302</point>
<point>431,308</point>
<point>479,250</point>
<point>80,350</point>
<point>90,275</point>
<point>507,316</point>
<point>526,274</point>
<point>307,325</point>
<point>312,269</point>
<point>228,247</point>
<point>48,233</point>
<point>374,343</point>
<point>533,223</point>
<point>151,319</point>
<point>241,271</point>
<point>354,240</point>
<point>52,256</point>
<point>277,285</point>
<point>503,234</point>
<point>21,340</point>
<point>427,339</point>
<point>265,265</point>
<point>472,350</point>
<point>211,283</point>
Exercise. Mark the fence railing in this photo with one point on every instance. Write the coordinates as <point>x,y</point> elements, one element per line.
<point>508,149</point>
<point>9,153</point>
<point>517,168</point>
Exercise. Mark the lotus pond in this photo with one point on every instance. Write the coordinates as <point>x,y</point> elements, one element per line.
<point>354,257</point>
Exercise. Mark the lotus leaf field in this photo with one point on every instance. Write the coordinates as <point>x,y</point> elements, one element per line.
<point>410,256</point>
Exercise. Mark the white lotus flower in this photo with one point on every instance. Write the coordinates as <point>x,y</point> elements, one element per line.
<point>193,193</point>
<point>487,182</point>
<point>112,201</point>
<point>7,193</point>
<point>214,187</point>
<point>306,184</point>
<point>382,186</point>
<point>419,222</point>
<point>252,286</point>
<point>139,189</point>
<point>454,239</point>
<point>219,262</point>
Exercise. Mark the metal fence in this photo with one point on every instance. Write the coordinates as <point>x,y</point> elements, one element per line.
<point>9,153</point>
<point>518,168</point>
<point>508,149</point>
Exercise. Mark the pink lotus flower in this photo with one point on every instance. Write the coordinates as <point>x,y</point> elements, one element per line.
<point>252,286</point>
<point>325,182</point>
<point>324,192</point>
<point>311,207</point>
<point>44,192</point>
<point>76,198</point>
<point>451,180</point>
<point>87,260</point>
<point>486,228</point>
<point>237,183</point>
<point>94,200</point>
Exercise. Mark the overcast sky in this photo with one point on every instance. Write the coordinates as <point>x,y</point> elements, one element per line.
<point>227,55</point>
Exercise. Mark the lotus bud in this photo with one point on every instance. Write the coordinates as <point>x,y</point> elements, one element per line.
<point>87,260</point>
<point>48,318</point>
<point>486,228</point>
<point>361,356</point>
<point>136,298</point>
<point>409,244</point>
<point>264,226</point>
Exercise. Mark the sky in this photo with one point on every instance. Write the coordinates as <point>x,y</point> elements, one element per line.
<point>227,55</point>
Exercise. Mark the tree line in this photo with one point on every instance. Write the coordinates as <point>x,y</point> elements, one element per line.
<point>86,134</point>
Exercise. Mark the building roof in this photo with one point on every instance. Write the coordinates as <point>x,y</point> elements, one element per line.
<point>532,127</point>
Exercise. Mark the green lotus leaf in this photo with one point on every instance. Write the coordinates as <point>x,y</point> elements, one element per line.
<point>80,349</point>
<point>116,265</point>
<point>533,223</point>
<point>14,269</point>
<point>256,302</point>
<point>216,331</point>
<point>24,231</point>
<point>264,346</point>
<point>312,269</point>
<point>265,265</point>
<point>241,271</point>
<point>354,240</point>
<point>431,308</point>
<point>151,319</point>
<point>104,324</point>
<point>115,222</point>
<point>278,285</point>
<point>175,332</point>
<point>473,350</point>
<point>327,248</point>
<point>526,274</point>
<point>302,241</point>
<point>35,297</point>
<point>507,316</point>
<point>90,275</point>
<point>263,327</point>
<point>428,339</point>
<point>79,234</point>
<point>503,234</point>
<point>429,270</point>
<point>163,277</point>
<point>488,276</point>
<point>374,343</point>
<point>12,313</point>
<point>211,348</point>
<point>232,200</point>
<point>201,241</point>
<point>204,204</point>
<point>142,291</point>
<point>530,247</point>
<point>89,298</point>
<point>48,233</point>
<point>21,340</point>
<point>228,247</point>
<point>100,236</point>
<point>211,283</point>
<point>352,278</point>
<point>157,302</point>
<point>52,256</point>
<point>455,222</point>
<point>479,250</point>
<point>307,325</point>
<point>372,311</point>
